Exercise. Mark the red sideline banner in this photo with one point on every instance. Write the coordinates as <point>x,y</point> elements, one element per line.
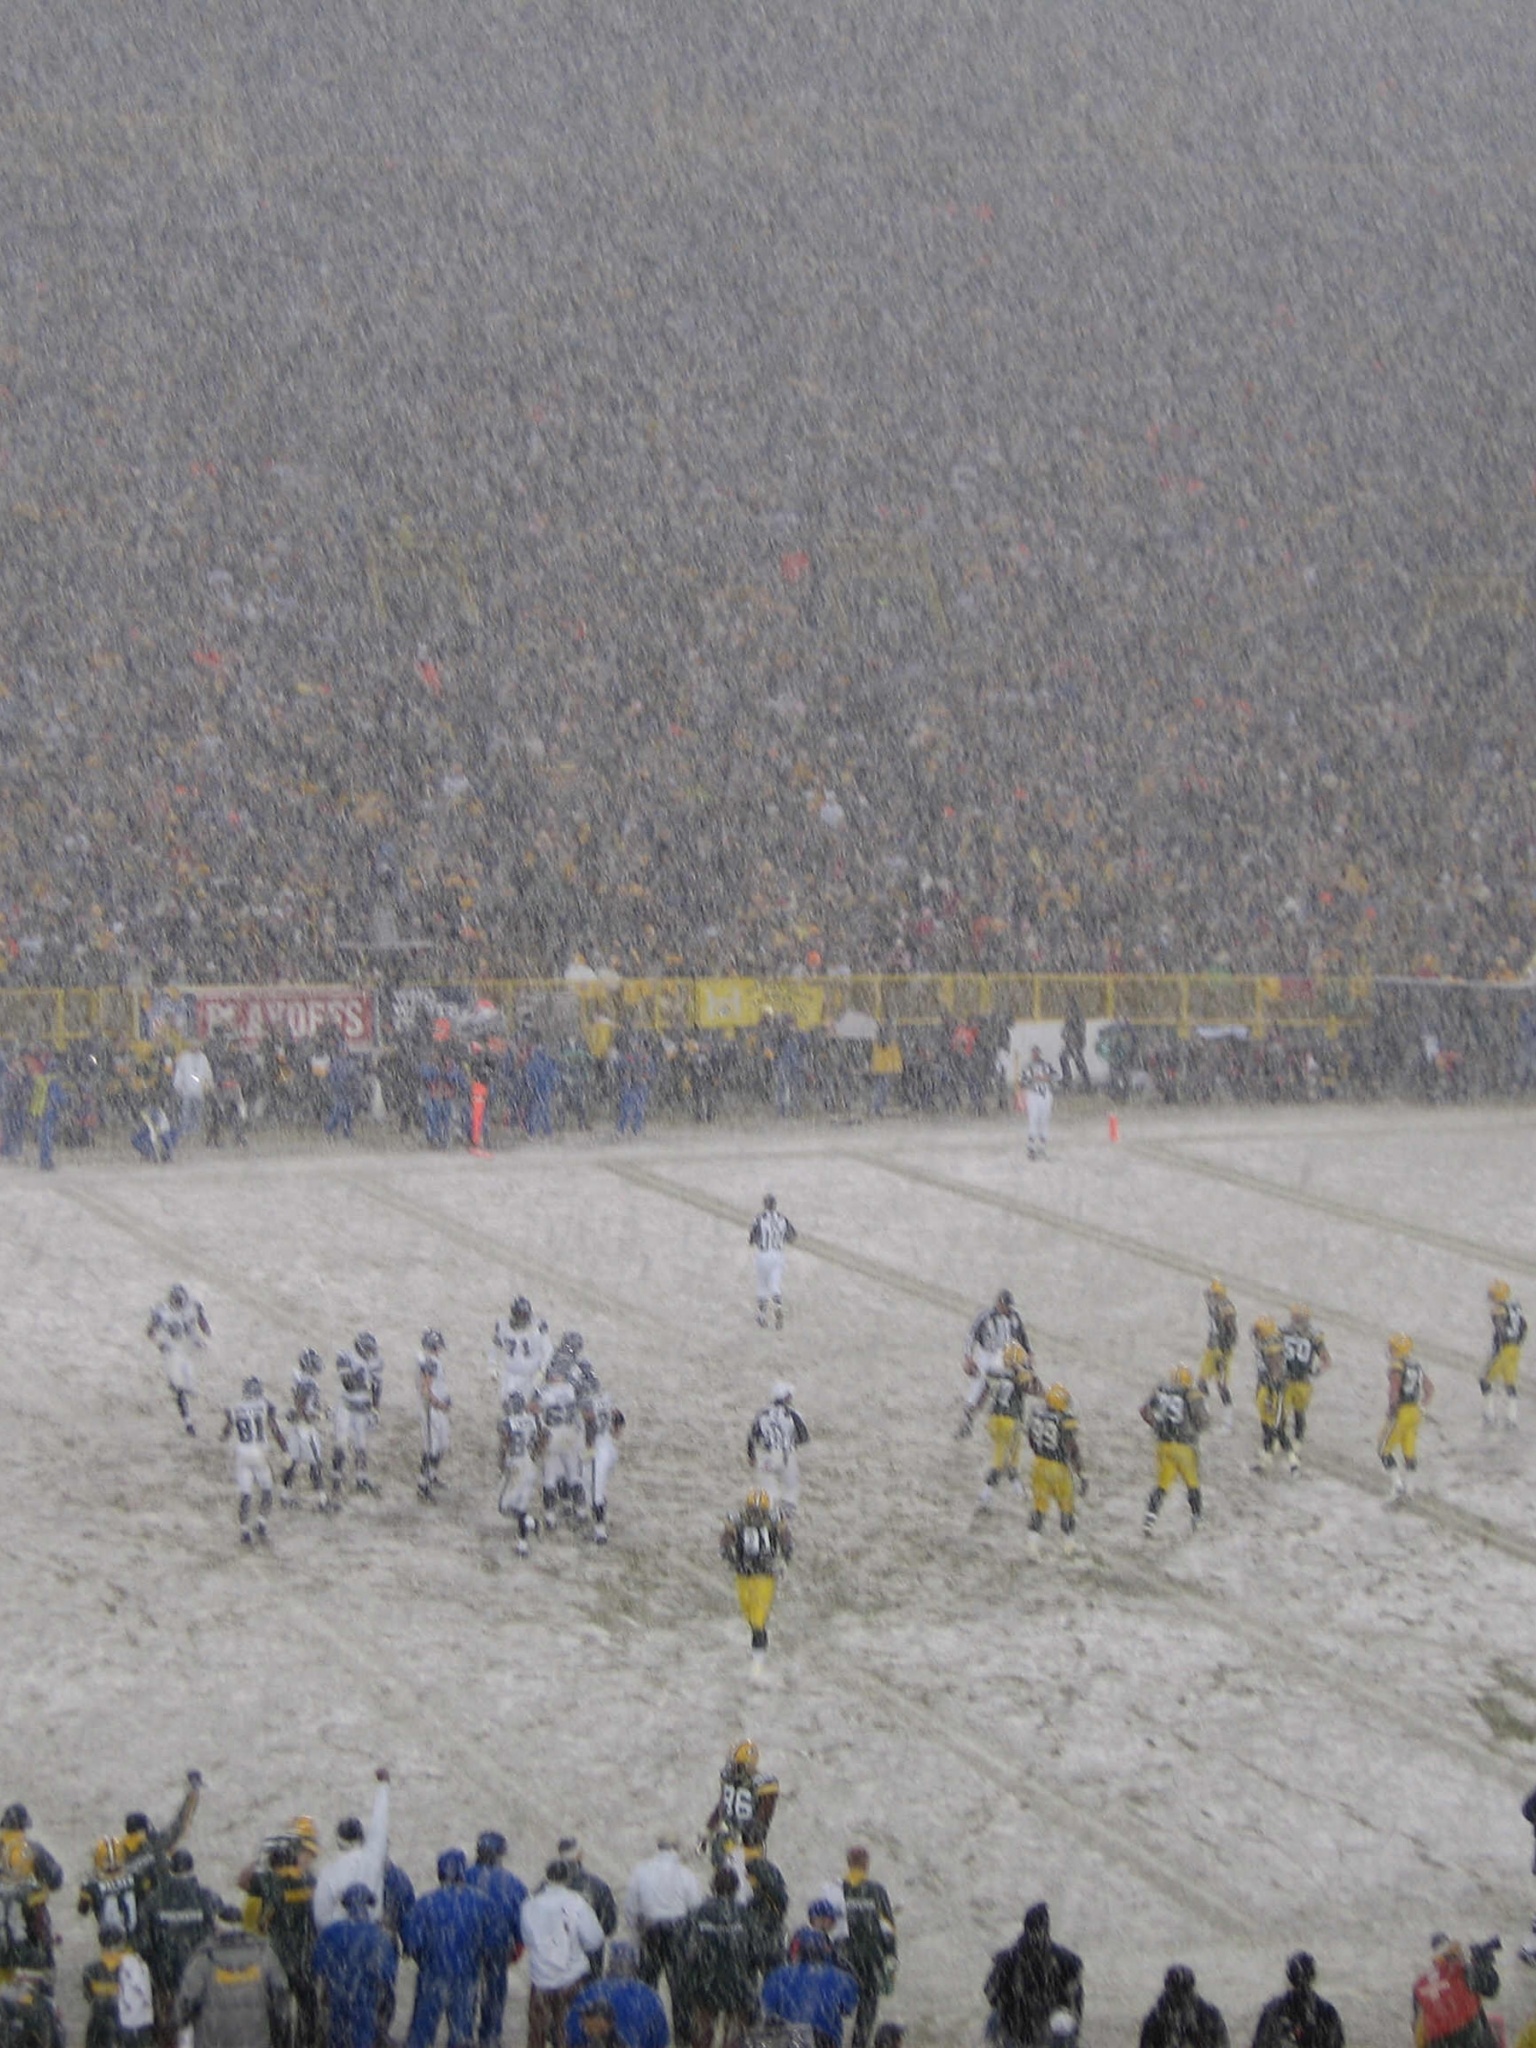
<point>248,1015</point>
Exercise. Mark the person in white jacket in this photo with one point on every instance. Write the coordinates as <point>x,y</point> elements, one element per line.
<point>361,1862</point>
<point>561,1937</point>
<point>662,1892</point>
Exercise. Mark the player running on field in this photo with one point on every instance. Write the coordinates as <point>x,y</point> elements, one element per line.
<point>520,1439</point>
<point>1503,1368</point>
<point>1057,1476</point>
<point>254,1426</point>
<point>1306,1357</point>
<point>1269,1393</point>
<point>306,1419</point>
<point>1009,1388</point>
<point>1220,1343</point>
<point>756,1544</point>
<point>179,1329</point>
<point>1175,1414</point>
<point>1409,1393</point>
<point>602,1427</point>
<point>436,1401</point>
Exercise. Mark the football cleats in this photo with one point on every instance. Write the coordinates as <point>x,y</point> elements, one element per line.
<point>1058,1398</point>
<point>365,1344</point>
<point>433,1341</point>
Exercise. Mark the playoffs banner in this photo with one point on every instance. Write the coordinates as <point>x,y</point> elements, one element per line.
<point>248,1015</point>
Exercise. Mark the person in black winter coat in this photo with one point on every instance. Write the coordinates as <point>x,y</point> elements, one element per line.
<point>1181,2018</point>
<point>1031,1980</point>
<point>1299,2018</point>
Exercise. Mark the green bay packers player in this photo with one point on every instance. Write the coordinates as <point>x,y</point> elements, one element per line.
<point>1269,1393</point>
<point>1500,1380</point>
<point>756,1544</point>
<point>1306,1356</point>
<point>1057,1475</point>
<point>1220,1343</point>
<point>1409,1392</point>
<point>1175,1413</point>
<point>1010,1385</point>
<point>749,1797</point>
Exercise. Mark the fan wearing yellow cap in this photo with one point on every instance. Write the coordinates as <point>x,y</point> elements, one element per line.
<point>282,1891</point>
<point>1220,1343</point>
<point>1500,1381</point>
<point>1175,1413</point>
<point>756,1544</point>
<point>1409,1393</point>
<point>1057,1474</point>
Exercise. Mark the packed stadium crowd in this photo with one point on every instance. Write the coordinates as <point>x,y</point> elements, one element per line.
<point>308,1952</point>
<point>677,609</point>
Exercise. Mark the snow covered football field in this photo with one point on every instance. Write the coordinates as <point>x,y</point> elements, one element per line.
<point>1311,1724</point>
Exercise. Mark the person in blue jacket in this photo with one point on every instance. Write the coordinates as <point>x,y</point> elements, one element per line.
<point>812,1989</point>
<point>448,1934</point>
<point>639,2017</point>
<point>505,1895</point>
<point>355,1967</point>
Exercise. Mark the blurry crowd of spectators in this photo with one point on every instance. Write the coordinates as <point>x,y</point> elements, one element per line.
<point>966,557</point>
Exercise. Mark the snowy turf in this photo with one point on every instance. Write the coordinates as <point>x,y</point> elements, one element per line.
<point>1311,1724</point>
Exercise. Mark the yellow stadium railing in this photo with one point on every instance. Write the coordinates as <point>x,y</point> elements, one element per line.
<point>1183,1003</point>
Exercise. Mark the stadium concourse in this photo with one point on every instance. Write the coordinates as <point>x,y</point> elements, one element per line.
<point>1309,1725</point>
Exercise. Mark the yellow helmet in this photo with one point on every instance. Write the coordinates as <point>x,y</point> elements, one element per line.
<point>1058,1398</point>
<point>1218,1288</point>
<point>303,1829</point>
<point>1266,1330</point>
<point>745,1754</point>
<point>108,1856</point>
<point>758,1502</point>
<point>1498,1290</point>
<point>1399,1344</point>
<point>1182,1376</point>
<point>1300,1312</point>
<point>1014,1356</point>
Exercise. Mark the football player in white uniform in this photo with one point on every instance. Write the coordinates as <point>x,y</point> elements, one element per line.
<point>769,1234</point>
<point>990,1336</point>
<point>353,1419</point>
<point>521,1348</point>
<point>602,1425</point>
<point>179,1329</point>
<point>365,1346</point>
<point>305,1420</point>
<point>569,1362</point>
<point>521,1441</point>
<point>254,1426</point>
<point>773,1447</point>
<point>436,1401</point>
<point>564,1442</point>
